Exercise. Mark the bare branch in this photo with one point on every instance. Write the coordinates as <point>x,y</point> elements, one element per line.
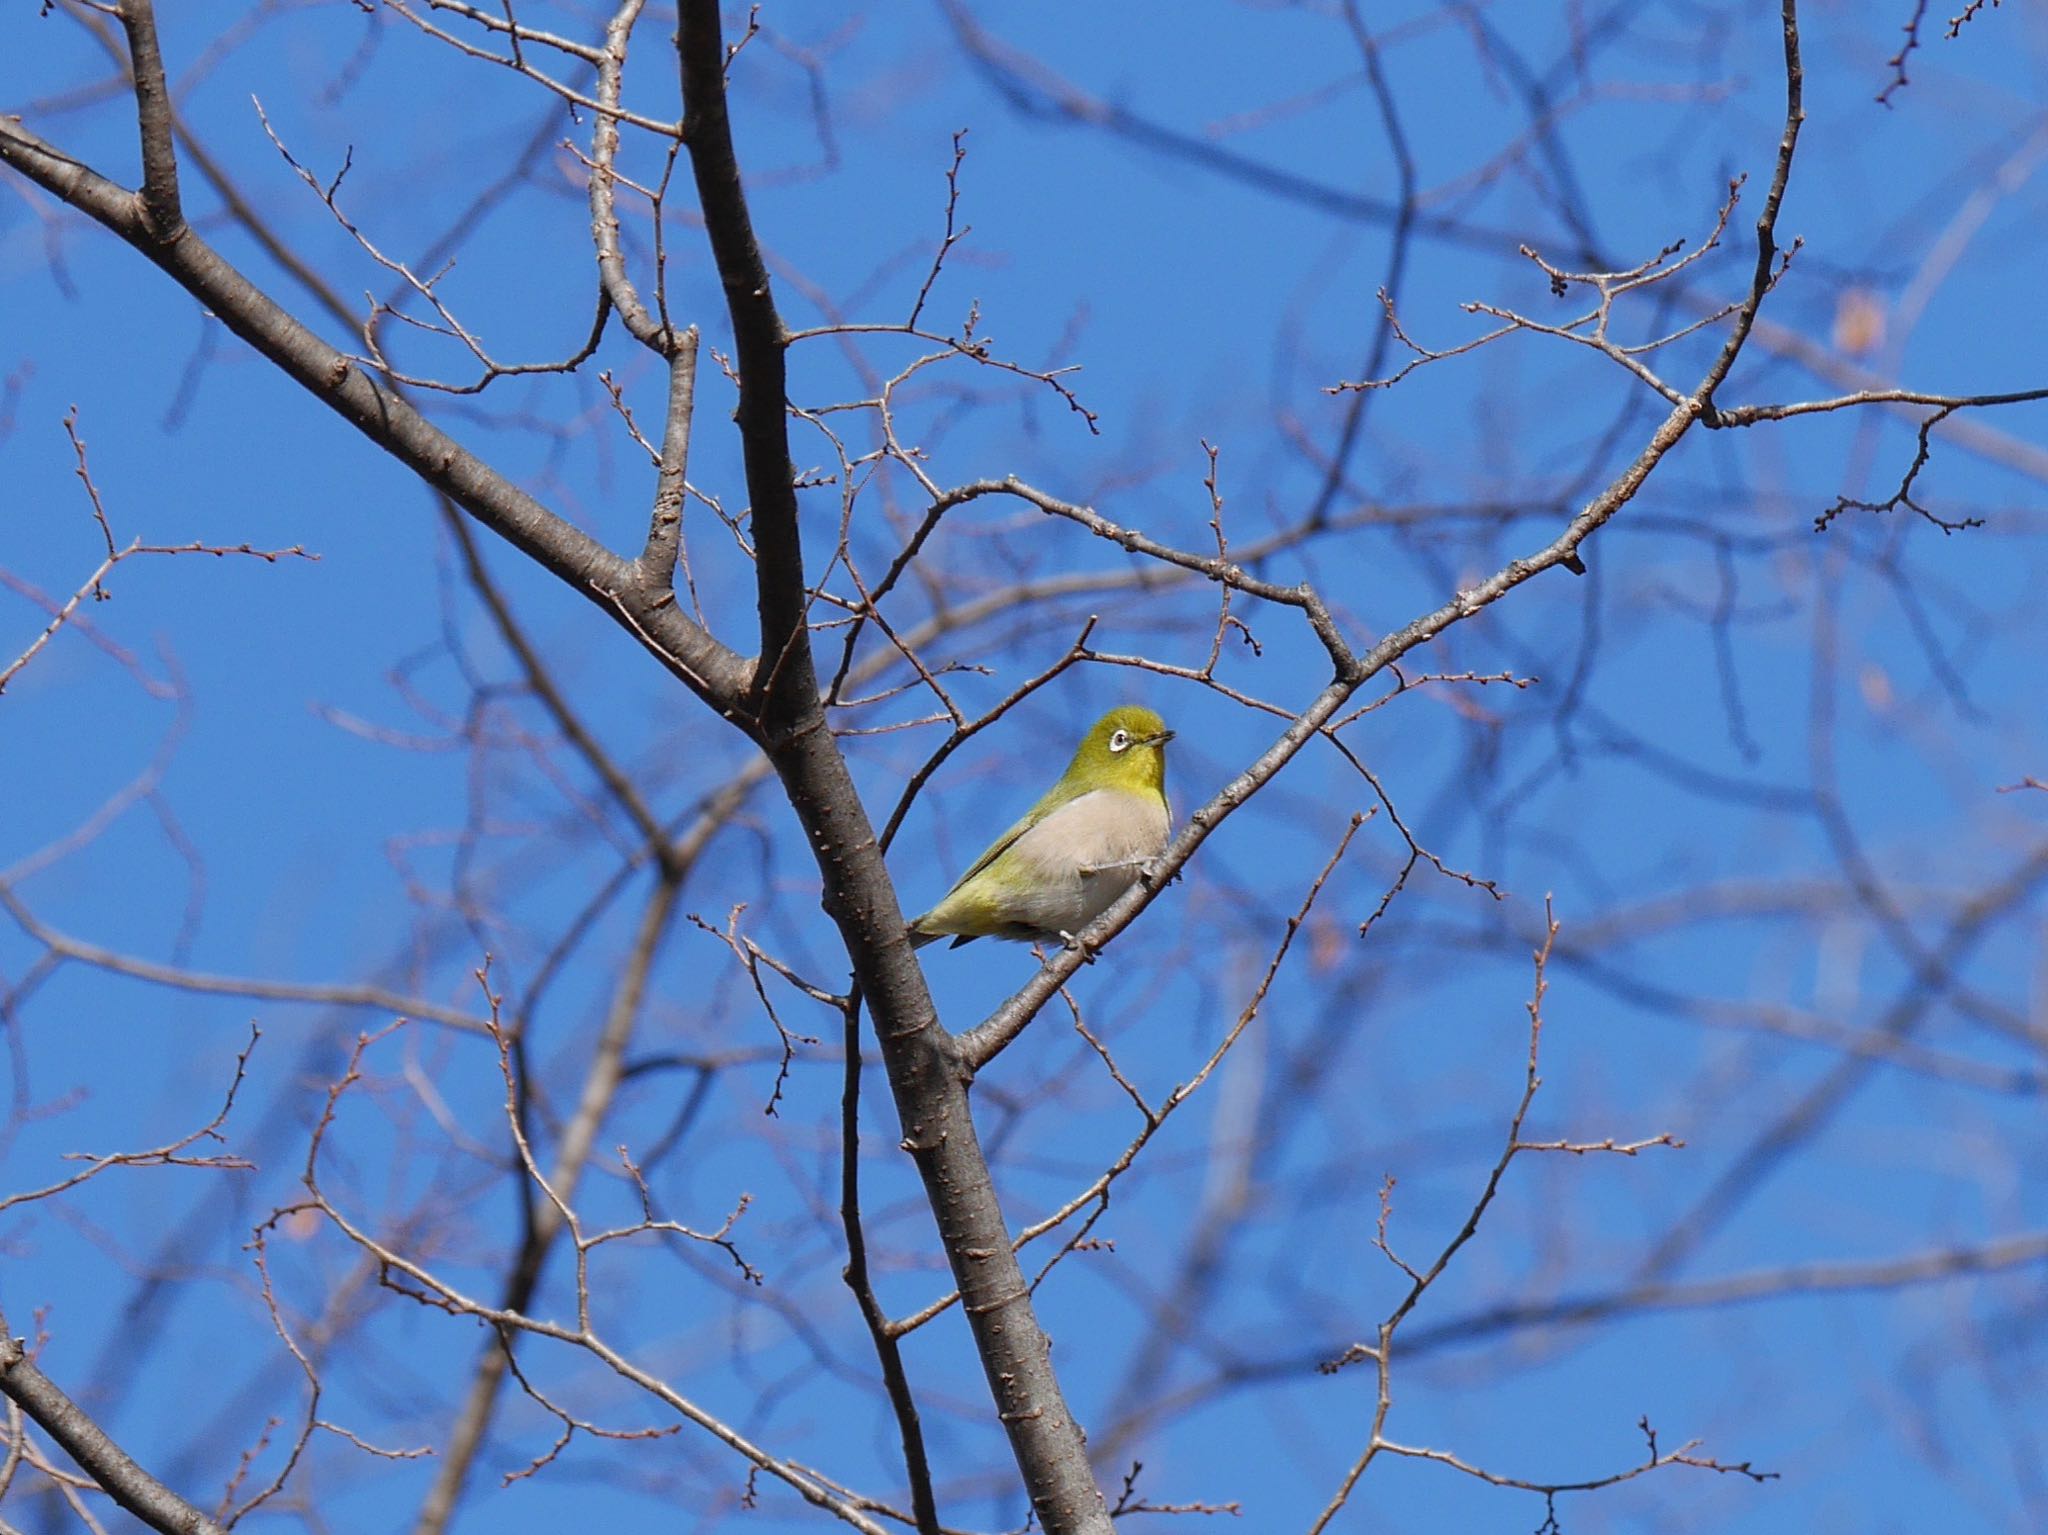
<point>108,1464</point>
<point>387,419</point>
<point>160,197</point>
<point>665,527</point>
<point>604,218</point>
<point>171,1154</point>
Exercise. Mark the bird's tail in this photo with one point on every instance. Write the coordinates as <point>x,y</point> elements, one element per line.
<point>919,937</point>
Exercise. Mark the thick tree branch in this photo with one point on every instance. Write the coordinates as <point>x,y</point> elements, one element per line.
<point>926,1075</point>
<point>153,118</point>
<point>929,1084</point>
<point>774,696</point>
<point>783,681</point>
<point>665,526</point>
<point>382,415</point>
<point>87,1443</point>
<point>538,676</point>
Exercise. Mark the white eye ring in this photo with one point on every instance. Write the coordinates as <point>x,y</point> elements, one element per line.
<point>1121,741</point>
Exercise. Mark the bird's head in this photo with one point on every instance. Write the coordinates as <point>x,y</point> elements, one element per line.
<point>1126,749</point>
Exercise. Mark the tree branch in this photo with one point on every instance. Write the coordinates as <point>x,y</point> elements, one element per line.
<point>572,1156</point>
<point>87,1443</point>
<point>783,681</point>
<point>383,415</point>
<point>926,1075</point>
<point>980,1044</point>
<point>665,526</point>
<point>887,1340</point>
<point>604,218</point>
<point>153,118</point>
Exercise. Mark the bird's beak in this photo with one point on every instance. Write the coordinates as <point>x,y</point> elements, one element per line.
<point>1159,740</point>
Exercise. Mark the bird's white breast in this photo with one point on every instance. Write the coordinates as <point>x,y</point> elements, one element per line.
<point>1084,855</point>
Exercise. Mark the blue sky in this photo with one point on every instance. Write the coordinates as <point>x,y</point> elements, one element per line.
<point>319,777</point>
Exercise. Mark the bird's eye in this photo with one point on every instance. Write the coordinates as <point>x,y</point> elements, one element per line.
<point>1120,741</point>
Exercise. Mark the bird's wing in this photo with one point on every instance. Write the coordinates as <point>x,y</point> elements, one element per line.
<point>1060,794</point>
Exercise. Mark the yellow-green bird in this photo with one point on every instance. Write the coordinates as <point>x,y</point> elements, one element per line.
<point>1075,851</point>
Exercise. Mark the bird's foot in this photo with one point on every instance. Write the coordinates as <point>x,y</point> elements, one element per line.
<point>1087,951</point>
<point>1153,873</point>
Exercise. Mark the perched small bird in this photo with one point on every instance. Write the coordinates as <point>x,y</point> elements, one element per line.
<point>1075,851</point>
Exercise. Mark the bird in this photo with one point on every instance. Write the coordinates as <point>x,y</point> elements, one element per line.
<point>1075,851</point>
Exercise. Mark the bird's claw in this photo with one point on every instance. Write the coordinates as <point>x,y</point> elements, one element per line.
<point>1087,951</point>
<point>1154,873</point>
